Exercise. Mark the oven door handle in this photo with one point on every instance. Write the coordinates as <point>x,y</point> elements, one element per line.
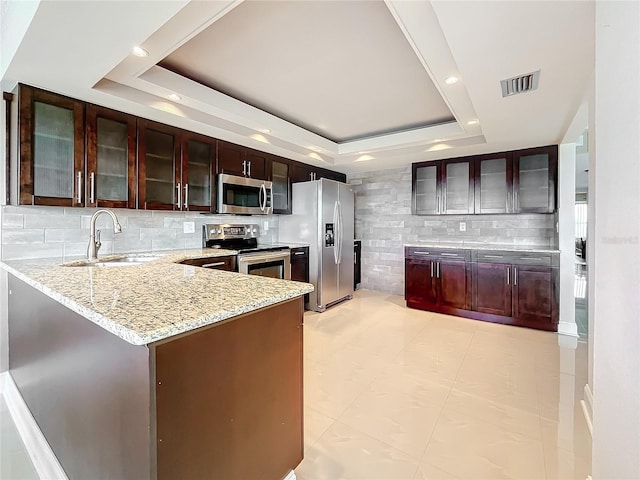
<point>262,258</point>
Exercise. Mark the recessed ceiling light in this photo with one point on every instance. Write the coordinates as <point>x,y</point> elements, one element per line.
<point>473,122</point>
<point>140,52</point>
<point>451,80</point>
<point>174,97</point>
<point>436,140</point>
<point>315,149</point>
<point>264,130</point>
<point>363,158</point>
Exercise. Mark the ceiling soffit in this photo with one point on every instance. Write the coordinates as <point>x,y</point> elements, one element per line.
<point>140,79</point>
<point>343,70</point>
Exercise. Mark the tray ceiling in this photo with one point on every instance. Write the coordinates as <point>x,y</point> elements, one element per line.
<point>343,70</point>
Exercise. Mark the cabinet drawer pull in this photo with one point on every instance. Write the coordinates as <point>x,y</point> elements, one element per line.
<point>216,264</point>
<point>515,276</point>
<point>449,254</point>
<point>508,279</point>
<point>492,256</point>
<point>421,253</point>
<point>531,258</point>
<point>298,253</point>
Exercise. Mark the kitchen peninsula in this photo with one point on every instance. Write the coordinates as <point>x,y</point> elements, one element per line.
<point>160,370</point>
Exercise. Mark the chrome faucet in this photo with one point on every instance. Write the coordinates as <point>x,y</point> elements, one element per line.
<point>94,237</point>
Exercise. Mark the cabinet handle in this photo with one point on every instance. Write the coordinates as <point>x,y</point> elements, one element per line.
<point>186,196</point>
<point>493,256</point>
<point>298,253</point>
<point>508,279</point>
<point>179,195</point>
<point>432,269</point>
<point>216,264</point>
<point>244,167</point>
<point>531,258</point>
<point>438,270</point>
<point>515,275</point>
<point>92,188</point>
<point>437,203</point>
<point>79,186</point>
<point>249,174</point>
<point>449,254</point>
<point>421,253</point>
<point>515,200</point>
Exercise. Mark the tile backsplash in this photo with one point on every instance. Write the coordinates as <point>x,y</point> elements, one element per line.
<point>39,232</point>
<point>384,223</point>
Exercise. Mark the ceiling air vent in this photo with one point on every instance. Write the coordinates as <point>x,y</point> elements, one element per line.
<point>520,84</point>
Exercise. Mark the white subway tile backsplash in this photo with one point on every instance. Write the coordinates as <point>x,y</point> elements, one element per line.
<point>13,220</point>
<point>51,220</point>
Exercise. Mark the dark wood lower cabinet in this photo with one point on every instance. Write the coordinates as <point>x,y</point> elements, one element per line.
<point>492,288</point>
<point>300,266</point>
<point>509,293</point>
<point>223,401</point>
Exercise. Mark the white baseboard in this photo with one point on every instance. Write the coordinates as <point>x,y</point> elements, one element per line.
<point>290,476</point>
<point>568,328</point>
<point>42,457</point>
<point>587,408</point>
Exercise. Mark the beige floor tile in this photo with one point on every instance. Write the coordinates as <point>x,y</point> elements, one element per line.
<point>438,363</point>
<point>506,382</point>
<point>344,453</point>
<point>403,420</point>
<point>427,471</point>
<point>470,448</point>
<point>315,424</point>
<point>508,418</point>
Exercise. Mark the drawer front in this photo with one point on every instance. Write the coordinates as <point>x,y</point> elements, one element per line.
<point>438,253</point>
<point>516,258</point>
<point>299,252</point>
<point>494,257</point>
<point>219,263</point>
<point>541,259</point>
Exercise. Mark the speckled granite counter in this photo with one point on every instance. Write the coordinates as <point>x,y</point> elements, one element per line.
<point>146,303</point>
<point>481,246</point>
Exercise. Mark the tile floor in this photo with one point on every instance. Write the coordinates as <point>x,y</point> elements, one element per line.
<point>15,463</point>
<point>395,393</point>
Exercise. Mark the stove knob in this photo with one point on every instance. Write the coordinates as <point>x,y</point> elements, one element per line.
<point>219,231</point>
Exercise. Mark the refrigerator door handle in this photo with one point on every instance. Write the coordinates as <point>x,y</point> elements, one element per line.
<point>335,233</point>
<point>339,234</point>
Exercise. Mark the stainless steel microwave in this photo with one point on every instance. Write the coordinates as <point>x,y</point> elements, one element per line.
<point>242,195</point>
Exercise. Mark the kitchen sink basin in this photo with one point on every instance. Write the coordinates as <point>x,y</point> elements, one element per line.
<point>125,261</point>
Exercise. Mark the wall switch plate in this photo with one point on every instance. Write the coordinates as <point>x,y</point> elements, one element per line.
<point>265,226</point>
<point>189,227</point>
<point>463,226</point>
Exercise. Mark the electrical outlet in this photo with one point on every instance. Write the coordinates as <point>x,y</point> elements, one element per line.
<point>189,227</point>
<point>265,226</point>
<point>463,226</point>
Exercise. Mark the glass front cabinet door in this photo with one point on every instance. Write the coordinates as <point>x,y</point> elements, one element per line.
<point>426,188</point>
<point>51,149</point>
<point>534,180</point>
<point>195,184</point>
<point>158,167</point>
<point>111,158</point>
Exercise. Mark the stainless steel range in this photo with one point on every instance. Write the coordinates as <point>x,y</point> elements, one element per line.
<point>271,260</point>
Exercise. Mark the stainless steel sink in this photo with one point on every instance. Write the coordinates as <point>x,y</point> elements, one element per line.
<point>124,261</point>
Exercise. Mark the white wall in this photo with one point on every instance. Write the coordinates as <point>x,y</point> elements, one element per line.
<point>566,220</point>
<point>616,267</point>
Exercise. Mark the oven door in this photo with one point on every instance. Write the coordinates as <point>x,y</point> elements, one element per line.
<point>243,195</point>
<point>274,264</point>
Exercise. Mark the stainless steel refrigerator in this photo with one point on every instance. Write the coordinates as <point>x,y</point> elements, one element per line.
<point>323,217</point>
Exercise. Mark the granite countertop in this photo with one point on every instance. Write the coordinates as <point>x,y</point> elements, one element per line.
<point>485,246</point>
<point>147,303</point>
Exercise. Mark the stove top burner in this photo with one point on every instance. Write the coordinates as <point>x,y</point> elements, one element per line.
<point>241,237</point>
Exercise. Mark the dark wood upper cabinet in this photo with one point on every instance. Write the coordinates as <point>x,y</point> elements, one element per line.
<point>493,183</point>
<point>457,186</point>
<point>426,188</point>
<point>198,159</point>
<point>111,158</point>
<point>241,161</point>
<point>522,181</point>
<point>52,168</point>
<point>535,171</point>
<point>158,166</point>
<point>280,176</point>
<point>300,172</point>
